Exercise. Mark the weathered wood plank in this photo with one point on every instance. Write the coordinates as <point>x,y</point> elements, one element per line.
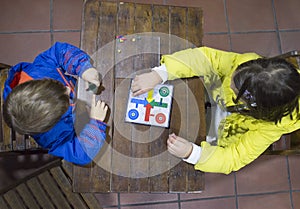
<point>91,201</point>
<point>73,198</point>
<point>121,143</point>
<point>5,131</point>
<point>196,129</point>
<point>178,172</point>
<point>179,120</point>
<point>194,26</point>
<point>159,162</point>
<point>53,190</point>
<point>90,26</point>
<point>39,193</point>
<point>3,204</point>
<point>27,197</point>
<point>105,65</point>
<point>122,131</point>
<point>14,200</point>
<point>140,152</point>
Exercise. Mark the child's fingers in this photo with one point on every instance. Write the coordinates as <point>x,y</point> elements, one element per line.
<point>135,87</point>
<point>105,108</point>
<point>93,102</point>
<point>173,135</point>
<point>139,92</point>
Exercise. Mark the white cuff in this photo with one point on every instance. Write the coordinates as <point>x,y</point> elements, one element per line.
<point>195,155</point>
<point>162,72</point>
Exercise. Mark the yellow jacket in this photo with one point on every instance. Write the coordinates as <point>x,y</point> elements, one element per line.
<point>241,138</point>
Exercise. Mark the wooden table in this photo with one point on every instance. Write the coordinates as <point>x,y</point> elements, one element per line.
<point>135,157</point>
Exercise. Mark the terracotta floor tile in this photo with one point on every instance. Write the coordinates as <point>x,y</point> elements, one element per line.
<point>70,37</point>
<point>296,199</point>
<point>290,41</point>
<point>265,44</point>
<point>133,198</point>
<point>17,48</point>
<point>19,15</point>
<point>66,17</point>
<point>225,203</point>
<point>294,162</point>
<point>219,41</point>
<point>215,185</point>
<point>250,15</point>
<point>287,14</point>
<point>270,201</point>
<point>266,174</point>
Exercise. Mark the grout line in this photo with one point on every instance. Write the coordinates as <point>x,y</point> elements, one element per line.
<point>24,32</point>
<point>276,27</point>
<point>289,181</point>
<point>51,23</point>
<point>119,200</point>
<point>235,191</point>
<point>149,203</point>
<point>205,33</point>
<point>179,202</point>
<point>263,193</point>
<point>227,24</point>
<point>251,32</point>
<point>296,190</point>
<point>39,31</point>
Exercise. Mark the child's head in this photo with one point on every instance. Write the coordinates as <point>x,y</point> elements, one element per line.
<point>35,106</point>
<point>269,87</point>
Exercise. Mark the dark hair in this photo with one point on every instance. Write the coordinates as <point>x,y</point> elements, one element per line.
<point>35,106</point>
<point>270,88</point>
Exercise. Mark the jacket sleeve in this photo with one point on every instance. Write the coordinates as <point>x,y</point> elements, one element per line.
<point>203,61</point>
<point>79,149</point>
<point>225,159</point>
<point>82,149</point>
<point>69,58</point>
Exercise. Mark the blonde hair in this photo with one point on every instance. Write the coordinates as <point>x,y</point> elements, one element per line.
<point>35,106</point>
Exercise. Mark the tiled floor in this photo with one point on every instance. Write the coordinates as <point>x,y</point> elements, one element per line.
<point>267,27</point>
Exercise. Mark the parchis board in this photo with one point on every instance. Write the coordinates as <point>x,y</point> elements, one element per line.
<point>151,108</point>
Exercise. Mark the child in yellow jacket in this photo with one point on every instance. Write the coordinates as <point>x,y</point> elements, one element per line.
<point>259,96</point>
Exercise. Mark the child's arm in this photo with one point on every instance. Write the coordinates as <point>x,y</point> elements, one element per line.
<point>70,59</point>
<point>203,61</point>
<point>74,145</point>
<point>80,149</point>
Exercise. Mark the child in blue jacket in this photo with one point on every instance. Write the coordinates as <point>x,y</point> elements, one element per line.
<point>39,101</point>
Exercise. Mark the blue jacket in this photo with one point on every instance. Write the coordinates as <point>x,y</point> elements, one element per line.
<point>62,140</point>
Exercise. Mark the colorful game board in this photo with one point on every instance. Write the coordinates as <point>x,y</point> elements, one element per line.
<point>151,108</point>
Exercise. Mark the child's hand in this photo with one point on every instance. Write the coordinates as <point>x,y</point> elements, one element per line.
<point>91,75</point>
<point>179,147</point>
<point>98,109</point>
<point>145,82</point>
